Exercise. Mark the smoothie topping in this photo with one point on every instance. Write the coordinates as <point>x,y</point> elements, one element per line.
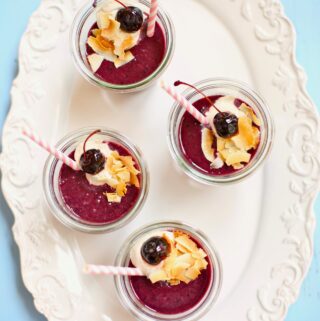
<point>225,124</point>
<point>169,256</point>
<point>233,150</point>
<point>155,250</point>
<point>92,161</point>
<point>105,166</point>
<point>130,18</point>
<point>110,42</point>
<point>123,173</point>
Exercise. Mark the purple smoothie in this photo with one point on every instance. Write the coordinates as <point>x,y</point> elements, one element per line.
<point>87,201</point>
<point>172,299</point>
<point>148,54</point>
<point>190,140</point>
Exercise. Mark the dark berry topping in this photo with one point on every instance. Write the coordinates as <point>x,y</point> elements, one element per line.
<point>130,18</point>
<point>226,124</point>
<point>155,250</point>
<point>92,161</point>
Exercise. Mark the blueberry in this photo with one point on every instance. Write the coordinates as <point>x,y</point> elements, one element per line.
<point>130,18</point>
<point>226,124</point>
<point>154,250</point>
<point>92,161</point>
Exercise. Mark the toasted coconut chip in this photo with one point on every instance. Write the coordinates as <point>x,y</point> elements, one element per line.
<point>235,156</point>
<point>179,269</point>
<point>95,61</point>
<point>98,44</point>
<point>245,138</point>
<point>238,166</point>
<point>181,248</point>
<point>250,113</point>
<point>185,258</point>
<point>129,163</point>
<point>122,45</point>
<point>103,20</point>
<point>200,254</point>
<point>134,180</point>
<point>122,175</point>
<point>96,32</point>
<point>112,30</point>
<point>105,43</point>
<point>256,134</point>
<point>113,197</point>
<point>201,264</point>
<point>121,189</point>
<point>187,243</point>
<point>101,49</point>
<point>221,144</point>
<point>128,56</point>
<point>158,275</point>
<point>192,273</point>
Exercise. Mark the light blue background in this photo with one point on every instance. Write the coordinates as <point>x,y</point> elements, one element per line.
<point>15,302</point>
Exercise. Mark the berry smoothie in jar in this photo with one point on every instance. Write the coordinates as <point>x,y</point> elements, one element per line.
<point>112,47</point>
<point>182,273</point>
<point>107,192</point>
<point>234,139</point>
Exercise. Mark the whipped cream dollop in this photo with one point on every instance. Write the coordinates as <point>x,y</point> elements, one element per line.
<point>224,104</point>
<point>109,42</point>
<point>104,177</point>
<point>136,257</point>
<point>232,151</point>
<point>183,263</point>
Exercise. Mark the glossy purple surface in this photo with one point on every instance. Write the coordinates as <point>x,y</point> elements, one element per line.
<point>148,54</point>
<point>87,201</point>
<point>190,140</point>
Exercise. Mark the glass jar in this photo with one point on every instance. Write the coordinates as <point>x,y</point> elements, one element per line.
<point>52,191</point>
<point>132,303</point>
<point>82,24</point>
<point>221,87</point>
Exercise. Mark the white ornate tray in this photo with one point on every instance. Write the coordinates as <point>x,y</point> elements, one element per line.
<point>262,228</point>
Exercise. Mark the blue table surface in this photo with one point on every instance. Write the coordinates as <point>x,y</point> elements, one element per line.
<point>15,301</point>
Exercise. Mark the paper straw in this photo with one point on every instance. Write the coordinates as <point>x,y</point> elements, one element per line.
<point>111,270</point>
<point>185,103</point>
<point>52,150</point>
<point>152,18</point>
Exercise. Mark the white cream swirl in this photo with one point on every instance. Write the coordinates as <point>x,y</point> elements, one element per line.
<point>224,104</point>
<point>103,177</point>
<point>135,253</point>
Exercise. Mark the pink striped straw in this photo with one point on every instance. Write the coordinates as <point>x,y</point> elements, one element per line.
<point>52,150</point>
<point>111,270</point>
<point>184,103</point>
<point>152,18</point>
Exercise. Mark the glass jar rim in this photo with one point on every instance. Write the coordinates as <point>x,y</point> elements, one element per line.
<point>212,293</point>
<point>260,104</point>
<point>78,225</point>
<point>79,20</point>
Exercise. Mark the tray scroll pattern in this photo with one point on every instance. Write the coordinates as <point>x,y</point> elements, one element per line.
<point>278,37</point>
<point>31,229</point>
